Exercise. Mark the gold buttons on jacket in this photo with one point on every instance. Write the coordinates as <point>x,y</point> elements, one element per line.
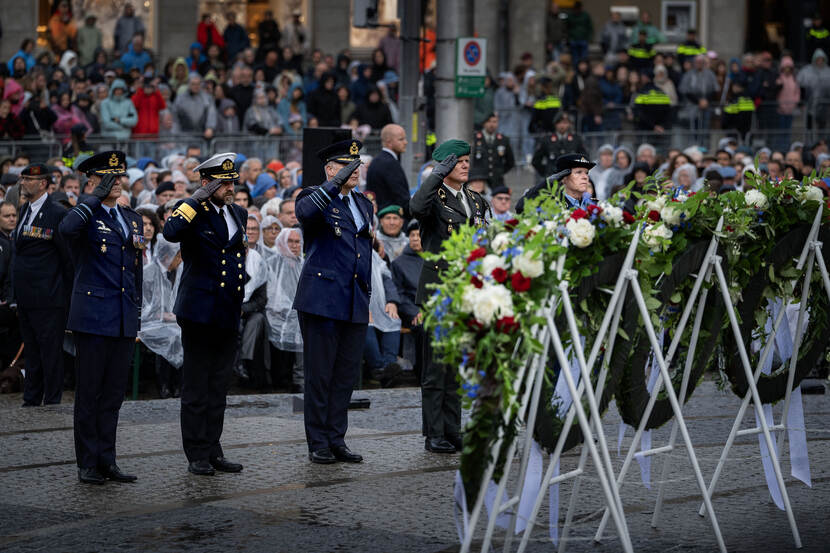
<point>122,290</point>
<point>223,273</point>
<point>239,255</point>
<point>358,256</point>
<point>240,277</point>
<point>223,262</point>
<point>223,251</point>
<point>222,284</point>
<point>89,293</point>
<point>239,265</point>
<point>355,275</point>
<point>238,288</point>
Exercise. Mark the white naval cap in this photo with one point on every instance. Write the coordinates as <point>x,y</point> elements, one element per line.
<point>220,166</point>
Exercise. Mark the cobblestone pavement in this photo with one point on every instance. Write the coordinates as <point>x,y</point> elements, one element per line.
<point>399,499</point>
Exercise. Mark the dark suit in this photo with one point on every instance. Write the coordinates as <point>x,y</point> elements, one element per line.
<point>208,310</point>
<point>386,178</point>
<point>104,317</point>
<point>333,305</point>
<point>440,213</point>
<point>494,157</point>
<point>41,278</point>
<point>9,325</point>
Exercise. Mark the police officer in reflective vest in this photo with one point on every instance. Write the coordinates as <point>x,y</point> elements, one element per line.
<point>689,49</point>
<point>42,279</point>
<point>564,140</point>
<point>817,37</point>
<point>641,54</point>
<point>332,298</point>
<point>106,241</point>
<point>492,152</point>
<point>442,204</point>
<point>211,230</point>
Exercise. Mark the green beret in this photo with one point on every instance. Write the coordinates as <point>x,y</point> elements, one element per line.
<point>451,146</point>
<point>395,209</point>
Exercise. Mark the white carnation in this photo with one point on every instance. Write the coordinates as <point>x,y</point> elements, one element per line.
<point>493,301</point>
<point>756,199</point>
<point>811,194</point>
<point>653,234</point>
<point>469,298</point>
<point>490,262</point>
<point>551,227</point>
<point>611,214</point>
<point>656,204</point>
<point>528,266</point>
<point>580,232</point>
<point>501,242</point>
<point>671,215</point>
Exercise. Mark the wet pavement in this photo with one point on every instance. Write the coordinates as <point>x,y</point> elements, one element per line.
<point>399,499</point>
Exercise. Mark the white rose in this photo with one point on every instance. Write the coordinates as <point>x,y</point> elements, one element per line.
<point>492,302</point>
<point>756,199</point>
<point>656,204</point>
<point>490,262</point>
<point>551,227</point>
<point>653,234</point>
<point>811,194</point>
<point>681,196</point>
<point>501,242</point>
<point>528,266</point>
<point>671,215</point>
<point>580,232</point>
<point>611,214</point>
<point>469,298</point>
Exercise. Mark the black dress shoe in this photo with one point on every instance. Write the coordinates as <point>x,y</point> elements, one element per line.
<point>112,472</point>
<point>438,445</point>
<point>457,441</point>
<point>322,456</point>
<point>200,468</point>
<point>223,465</point>
<point>344,454</point>
<point>90,476</point>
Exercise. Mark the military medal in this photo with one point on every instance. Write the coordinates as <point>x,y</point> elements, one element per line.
<point>103,248</point>
<point>337,231</point>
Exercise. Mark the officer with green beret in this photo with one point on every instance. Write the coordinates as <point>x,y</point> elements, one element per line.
<point>391,234</point>
<point>442,204</point>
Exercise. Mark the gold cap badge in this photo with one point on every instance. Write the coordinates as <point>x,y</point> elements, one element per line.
<point>113,162</point>
<point>227,165</point>
<point>353,149</point>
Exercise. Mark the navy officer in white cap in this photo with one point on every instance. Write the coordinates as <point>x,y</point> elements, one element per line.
<point>211,230</point>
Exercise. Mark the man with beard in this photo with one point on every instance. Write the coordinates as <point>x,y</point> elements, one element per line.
<point>107,242</point>
<point>211,229</point>
<point>42,277</point>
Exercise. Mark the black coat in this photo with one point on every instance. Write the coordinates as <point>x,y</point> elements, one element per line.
<point>325,106</point>
<point>549,149</point>
<point>41,269</point>
<point>387,180</point>
<point>406,271</point>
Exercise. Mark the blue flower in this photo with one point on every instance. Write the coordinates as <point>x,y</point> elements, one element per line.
<point>675,228</point>
<point>471,395</point>
<point>482,374</point>
<point>601,225</point>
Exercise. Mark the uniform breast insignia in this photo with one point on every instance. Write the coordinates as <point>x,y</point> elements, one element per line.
<point>335,210</point>
<point>337,231</point>
<point>186,212</point>
<point>138,241</point>
<point>103,248</point>
<point>103,226</point>
<point>442,195</point>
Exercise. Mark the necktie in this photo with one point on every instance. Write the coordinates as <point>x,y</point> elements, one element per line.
<point>460,197</point>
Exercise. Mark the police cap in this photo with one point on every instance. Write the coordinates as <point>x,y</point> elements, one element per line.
<point>344,151</point>
<point>221,166</point>
<point>105,163</point>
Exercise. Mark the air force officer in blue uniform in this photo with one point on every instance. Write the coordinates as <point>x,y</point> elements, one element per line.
<point>333,298</point>
<point>208,307</point>
<point>106,242</point>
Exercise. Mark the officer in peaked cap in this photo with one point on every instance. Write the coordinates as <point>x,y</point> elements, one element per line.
<point>333,298</point>
<point>443,204</point>
<point>572,175</point>
<point>492,152</point>
<point>42,278</point>
<point>211,230</point>
<point>107,242</point>
<point>562,141</point>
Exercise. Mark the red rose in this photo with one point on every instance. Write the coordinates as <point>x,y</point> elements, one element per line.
<point>475,281</point>
<point>473,324</point>
<point>654,215</point>
<point>507,325</point>
<point>511,223</point>
<point>477,253</point>
<point>594,209</point>
<point>690,194</point>
<point>520,282</point>
<point>499,275</point>
<point>628,218</point>
<point>729,228</point>
<point>579,213</point>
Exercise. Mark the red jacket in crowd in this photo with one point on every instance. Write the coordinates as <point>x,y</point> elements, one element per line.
<point>148,107</point>
<point>207,34</point>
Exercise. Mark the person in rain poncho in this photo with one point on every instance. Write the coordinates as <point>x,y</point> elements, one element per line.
<point>283,323</point>
<point>383,338</point>
<point>159,332</point>
<point>269,229</point>
<point>255,353</point>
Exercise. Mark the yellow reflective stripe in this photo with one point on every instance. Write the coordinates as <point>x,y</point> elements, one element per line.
<point>743,104</point>
<point>641,53</point>
<point>549,102</point>
<point>431,139</point>
<point>187,212</point>
<point>653,97</point>
<point>686,50</point>
<point>821,33</point>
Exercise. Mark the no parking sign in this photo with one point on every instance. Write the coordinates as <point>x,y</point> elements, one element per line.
<point>470,67</point>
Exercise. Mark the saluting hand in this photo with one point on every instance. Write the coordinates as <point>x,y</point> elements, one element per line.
<point>105,186</point>
<point>343,174</point>
<point>445,167</point>
<point>204,192</point>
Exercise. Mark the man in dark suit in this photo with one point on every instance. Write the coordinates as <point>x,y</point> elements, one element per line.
<point>442,204</point>
<point>42,279</point>
<point>575,186</point>
<point>211,229</point>
<point>385,176</point>
<point>333,298</point>
<point>9,325</point>
<point>106,241</point>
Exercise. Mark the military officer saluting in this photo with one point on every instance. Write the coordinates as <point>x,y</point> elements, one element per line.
<point>42,278</point>
<point>211,230</point>
<point>106,241</point>
<point>492,152</point>
<point>333,298</point>
<point>442,204</point>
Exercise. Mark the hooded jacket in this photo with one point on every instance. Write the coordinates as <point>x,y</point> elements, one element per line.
<point>193,64</point>
<point>132,59</point>
<point>616,175</point>
<point>148,107</point>
<point>11,87</point>
<point>118,114</point>
<point>815,80</point>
